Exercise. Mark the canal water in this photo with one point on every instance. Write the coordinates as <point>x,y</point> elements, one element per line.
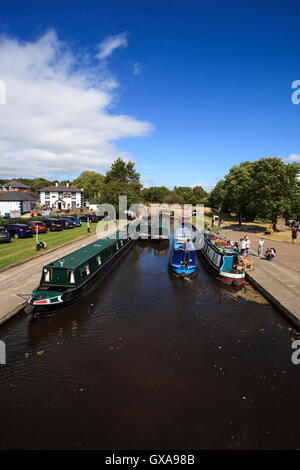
<point>149,361</point>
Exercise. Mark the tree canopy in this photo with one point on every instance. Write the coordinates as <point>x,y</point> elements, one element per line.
<point>266,188</point>
<point>91,182</point>
<point>121,180</point>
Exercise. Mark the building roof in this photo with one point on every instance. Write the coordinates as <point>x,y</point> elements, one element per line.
<point>84,254</point>
<point>67,189</point>
<point>16,184</point>
<point>17,196</point>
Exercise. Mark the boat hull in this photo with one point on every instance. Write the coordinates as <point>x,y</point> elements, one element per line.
<point>229,278</point>
<point>182,272</point>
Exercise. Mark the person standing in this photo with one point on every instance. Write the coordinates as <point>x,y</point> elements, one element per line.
<point>248,245</point>
<point>294,234</point>
<point>260,247</point>
<point>243,247</point>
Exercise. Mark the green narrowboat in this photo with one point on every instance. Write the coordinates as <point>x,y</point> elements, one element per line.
<point>68,278</point>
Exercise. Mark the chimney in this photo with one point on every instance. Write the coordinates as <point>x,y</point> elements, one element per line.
<point>67,184</point>
<point>56,184</point>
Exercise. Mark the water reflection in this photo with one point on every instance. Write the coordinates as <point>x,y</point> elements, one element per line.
<point>151,361</point>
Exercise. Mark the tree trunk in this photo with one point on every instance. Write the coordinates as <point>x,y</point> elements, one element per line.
<point>274,223</point>
<point>240,218</point>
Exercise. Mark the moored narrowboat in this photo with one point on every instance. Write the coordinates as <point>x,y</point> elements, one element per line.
<point>67,279</point>
<point>183,260</point>
<point>225,262</point>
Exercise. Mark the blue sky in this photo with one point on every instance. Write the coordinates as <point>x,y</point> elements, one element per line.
<point>211,79</point>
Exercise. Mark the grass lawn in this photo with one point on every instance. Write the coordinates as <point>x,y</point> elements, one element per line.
<point>281,237</point>
<point>25,248</point>
<point>259,229</point>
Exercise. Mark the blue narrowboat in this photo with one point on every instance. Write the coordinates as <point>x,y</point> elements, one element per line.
<point>183,260</point>
<point>224,261</point>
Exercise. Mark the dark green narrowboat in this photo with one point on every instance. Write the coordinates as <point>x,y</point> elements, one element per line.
<point>67,279</point>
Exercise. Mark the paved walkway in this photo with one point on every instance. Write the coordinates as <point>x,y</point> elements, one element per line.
<point>286,253</point>
<point>19,280</point>
<point>277,280</point>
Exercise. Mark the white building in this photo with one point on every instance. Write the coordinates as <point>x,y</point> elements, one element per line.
<point>61,197</point>
<point>16,202</point>
<point>93,205</point>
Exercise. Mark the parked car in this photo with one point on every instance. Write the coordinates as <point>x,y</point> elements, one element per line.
<point>53,224</point>
<point>19,230</point>
<point>66,223</point>
<point>91,217</point>
<point>71,218</point>
<point>38,226</point>
<point>4,235</point>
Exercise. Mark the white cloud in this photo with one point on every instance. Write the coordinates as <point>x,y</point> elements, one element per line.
<point>56,118</point>
<point>293,158</point>
<point>136,68</point>
<point>110,43</point>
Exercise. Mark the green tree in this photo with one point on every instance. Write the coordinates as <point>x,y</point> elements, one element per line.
<point>173,198</point>
<point>155,193</point>
<point>121,180</point>
<point>199,194</point>
<point>186,192</point>
<point>91,182</point>
<point>275,187</point>
<point>217,197</point>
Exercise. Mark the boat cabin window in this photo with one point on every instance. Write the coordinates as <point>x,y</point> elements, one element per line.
<point>99,260</point>
<point>84,271</point>
<point>71,277</point>
<point>47,275</point>
<point>117,245</point>
<point>121,242</point>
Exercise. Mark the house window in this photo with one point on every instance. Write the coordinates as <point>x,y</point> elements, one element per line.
<point>73,195</point>
<point>60,194</point>
<point>73,204</point>
<point>47,203</point>
<point>47,194</point>
<point>99,260</point>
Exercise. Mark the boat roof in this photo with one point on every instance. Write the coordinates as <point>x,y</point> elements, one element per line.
<point>84,254</point>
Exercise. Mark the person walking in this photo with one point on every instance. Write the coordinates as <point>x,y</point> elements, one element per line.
<point>260,247</point>
<point>294,234</point>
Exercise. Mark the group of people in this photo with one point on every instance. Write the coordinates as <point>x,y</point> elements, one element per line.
<point>245,245</point>
<point>244,248</point>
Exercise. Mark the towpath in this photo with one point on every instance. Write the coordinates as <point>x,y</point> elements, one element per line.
<point>277,280</point>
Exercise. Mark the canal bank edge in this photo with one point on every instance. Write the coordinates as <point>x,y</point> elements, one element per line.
<point>282,292</point>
